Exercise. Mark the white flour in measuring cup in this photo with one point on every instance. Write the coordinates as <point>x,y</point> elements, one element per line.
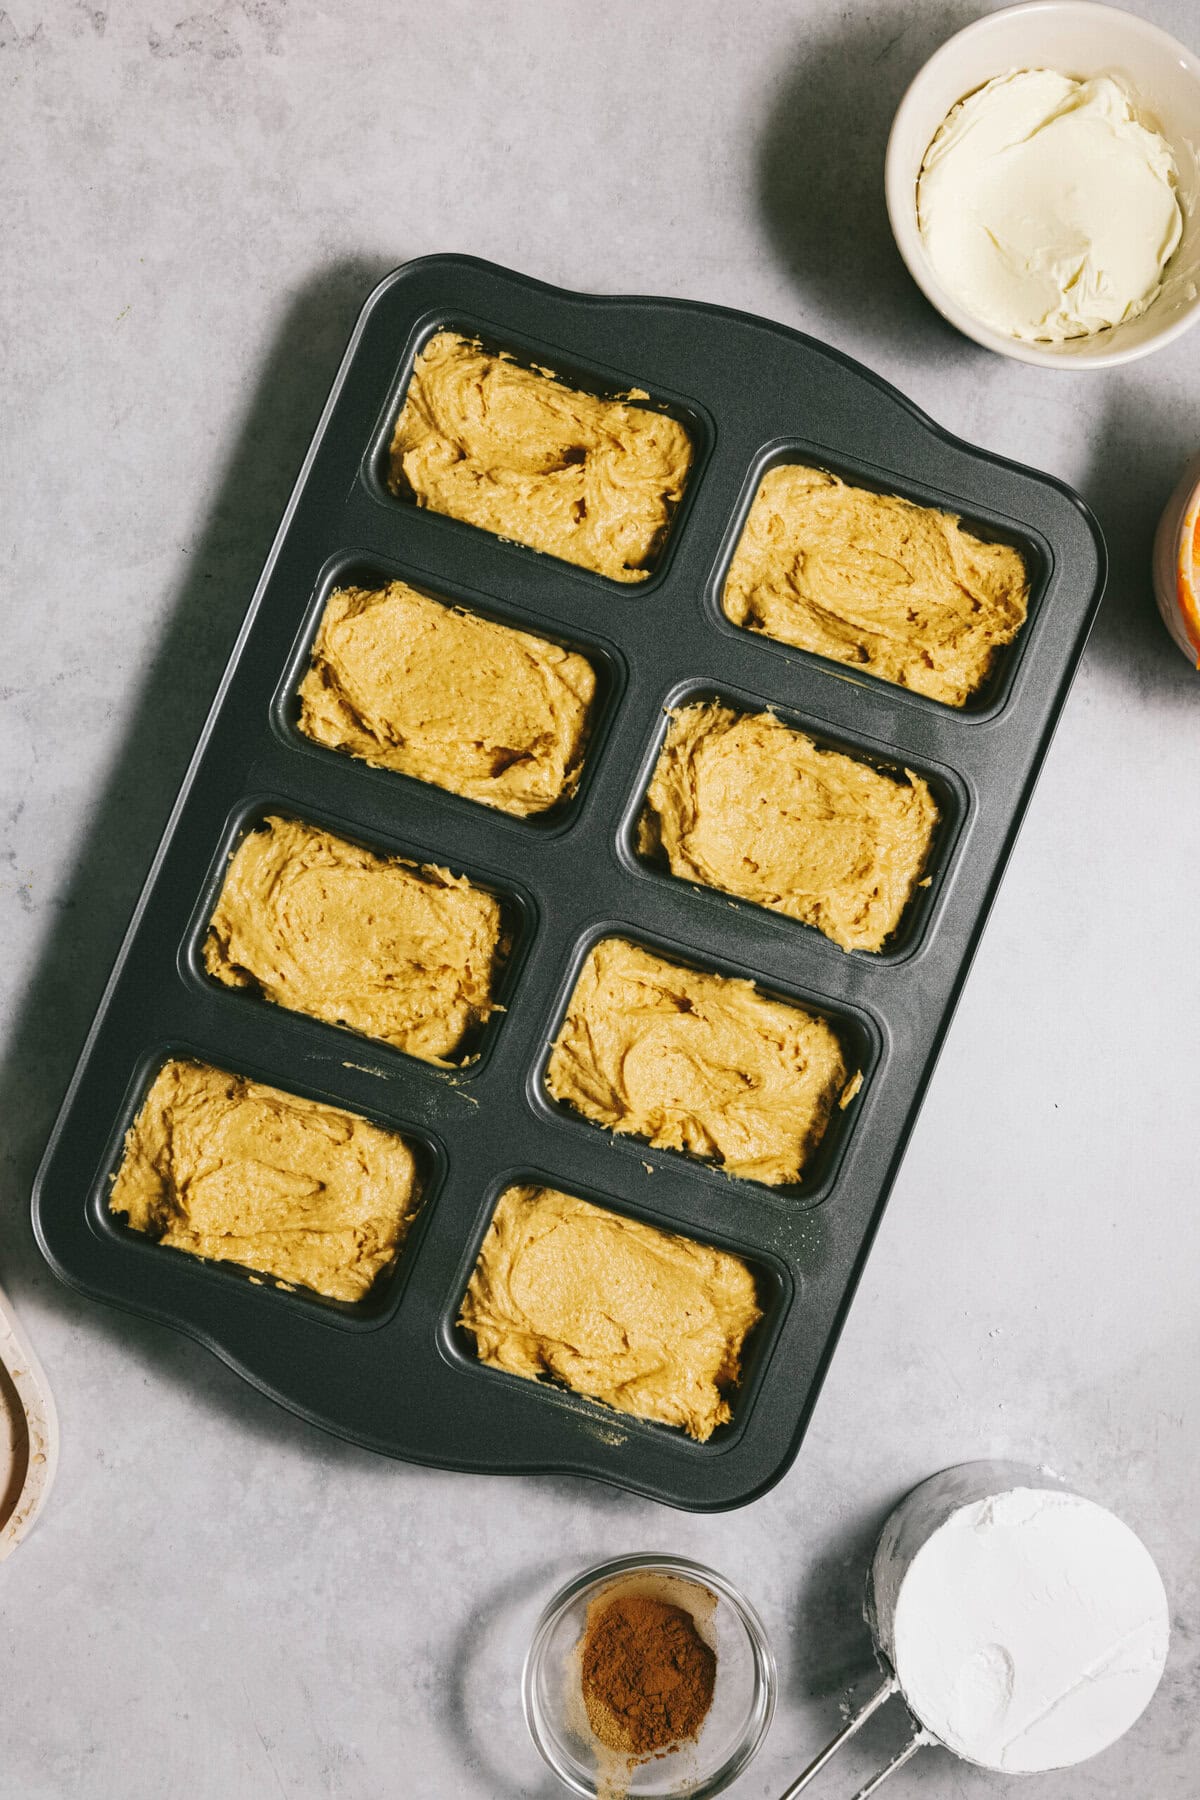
<point>1027,1627</point>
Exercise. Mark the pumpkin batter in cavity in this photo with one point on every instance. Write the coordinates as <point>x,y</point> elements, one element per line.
<point>904,592</point>
<point>484,710</point>
<point>322,926</point>
<point>233,1170</point>
<point>521,454</point>
<point>697,1062</point>
<point>650,1323</point>
<point>744,803</point>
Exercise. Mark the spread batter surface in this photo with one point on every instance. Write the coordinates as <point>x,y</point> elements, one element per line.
<point>649,1323</point>
<point>743,803</point>
<point>519,453</point>
<point>901,591</point>
<point>322,926</point>
<point>230,1169</point>
<point>696,1062</point>
<point>484,710</point>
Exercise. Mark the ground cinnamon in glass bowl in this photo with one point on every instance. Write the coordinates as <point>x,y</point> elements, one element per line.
<point>648,1676</point>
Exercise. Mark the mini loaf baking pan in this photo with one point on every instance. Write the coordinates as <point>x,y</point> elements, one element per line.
<point>396,1373</point>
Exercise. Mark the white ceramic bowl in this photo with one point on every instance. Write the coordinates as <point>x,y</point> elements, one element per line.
<point>1081,39</point>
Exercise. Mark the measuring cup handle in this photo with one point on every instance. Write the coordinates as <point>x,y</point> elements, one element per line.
<point>878,1699</point>
<point>909,1751</point>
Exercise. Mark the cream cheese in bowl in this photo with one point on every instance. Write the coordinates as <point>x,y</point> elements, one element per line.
<point>1047,207</point>
<point>1068,131</point>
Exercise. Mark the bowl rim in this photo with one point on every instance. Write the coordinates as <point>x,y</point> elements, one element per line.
<point>1174,559</point>
<point>901,208</point>
<point>762,1709</point>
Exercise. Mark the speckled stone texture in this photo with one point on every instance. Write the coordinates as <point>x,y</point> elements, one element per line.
<point>219,1601</point>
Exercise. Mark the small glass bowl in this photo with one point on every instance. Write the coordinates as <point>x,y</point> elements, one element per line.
<point>743,1697</point>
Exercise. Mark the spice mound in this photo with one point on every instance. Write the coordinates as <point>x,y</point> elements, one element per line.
<point>647,1675</point>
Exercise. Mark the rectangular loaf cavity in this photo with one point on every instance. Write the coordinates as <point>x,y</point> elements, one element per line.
<point>647,1322</point>
<point>901,591</point>
<point>697,1062</point>
<point>446,696</point>
<point>745,804</point>
<point>517,452</point>
<point>232,1170</point>
<point>405,953</point>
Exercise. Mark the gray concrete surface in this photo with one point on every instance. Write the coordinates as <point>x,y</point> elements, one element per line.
<point>221,1603</point>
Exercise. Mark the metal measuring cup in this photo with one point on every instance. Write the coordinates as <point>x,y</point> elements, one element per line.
<point>908,1528</point>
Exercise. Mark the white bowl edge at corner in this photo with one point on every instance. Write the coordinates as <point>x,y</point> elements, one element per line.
<point>41,1428</point>
<point>1176,527</point>
<point>1085,39</point>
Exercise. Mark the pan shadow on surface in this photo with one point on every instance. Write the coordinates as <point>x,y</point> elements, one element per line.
<point>1137,454</point>
<point>820,179</point>
<point>834,1671</point>
<point>93,907</point>
<point>482,1725</point>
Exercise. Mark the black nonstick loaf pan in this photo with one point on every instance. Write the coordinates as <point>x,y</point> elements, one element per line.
<point>395,1373</point>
